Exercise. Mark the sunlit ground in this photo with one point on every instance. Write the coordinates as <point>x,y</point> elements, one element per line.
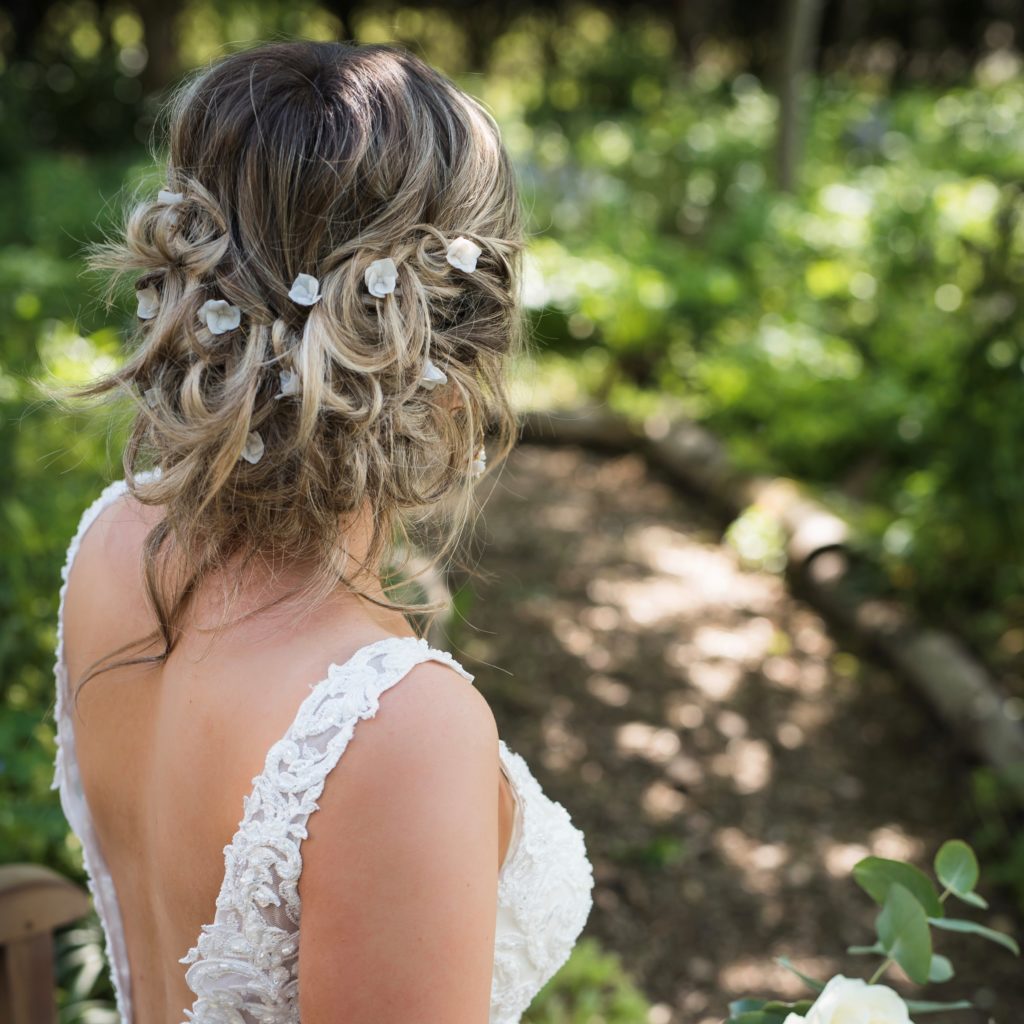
<point>727,757</point>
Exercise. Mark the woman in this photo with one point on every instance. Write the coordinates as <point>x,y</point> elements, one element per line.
<point>327,293</point>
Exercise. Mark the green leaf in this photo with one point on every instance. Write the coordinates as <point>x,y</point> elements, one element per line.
<point>941,968</point>
<point>813,982</point>
<point>916,1006</point>
<point>903,931</point>
<point>745,1005</point>
<point>973,898</point>
<point>876,874</point>
<point>956,925</point>
<point>801,1006</point>
<point>876,948</point>
<point>956,866</point>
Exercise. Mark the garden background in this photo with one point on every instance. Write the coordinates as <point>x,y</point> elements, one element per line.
<point>797,225</point>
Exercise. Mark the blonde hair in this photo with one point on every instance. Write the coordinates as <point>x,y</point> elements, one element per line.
<point>318,158</point>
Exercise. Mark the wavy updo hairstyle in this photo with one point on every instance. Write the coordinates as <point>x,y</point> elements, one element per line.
<point>316,158</point>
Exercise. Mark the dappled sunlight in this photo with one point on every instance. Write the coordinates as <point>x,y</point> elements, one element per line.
<point>641,739</point>
<point>758,865</point>
<point>746,763</point>
<point>563,747</point>
<point>762,975</point>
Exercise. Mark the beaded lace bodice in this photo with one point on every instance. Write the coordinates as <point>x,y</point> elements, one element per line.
<point>243,968</point>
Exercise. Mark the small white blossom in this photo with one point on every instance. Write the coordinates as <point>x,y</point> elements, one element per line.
<point>150,396</point>
<point>463,253</point>
<point>219,315</point>
<point>253,450</point>
<point>289,383</point>
<point>432,376</point>
<point>381,276</point>
<point>479,462</point>
<point>305,290</point>
<point>149,302</point>
<point>170,198</point>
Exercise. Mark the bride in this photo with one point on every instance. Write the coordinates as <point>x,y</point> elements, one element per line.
<point>327,290</point>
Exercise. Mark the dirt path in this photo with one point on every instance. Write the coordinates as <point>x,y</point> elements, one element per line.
<point>727,759</point>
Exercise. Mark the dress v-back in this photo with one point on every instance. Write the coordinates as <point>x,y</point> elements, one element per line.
<point>243,968</point>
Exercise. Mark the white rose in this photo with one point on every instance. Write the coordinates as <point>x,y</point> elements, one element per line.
<point>253,450</point>
<point>381,276</point>
<point>305,290</point>
<point>149,302</point>
<point>853,1001</point>
<point>219,315</point>
<point>463,253</point>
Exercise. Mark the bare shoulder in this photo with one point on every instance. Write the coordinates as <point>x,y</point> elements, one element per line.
<point>399,880</point>
<point>115,536</point>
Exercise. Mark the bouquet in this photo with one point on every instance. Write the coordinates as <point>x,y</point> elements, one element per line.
<point>911,907</point>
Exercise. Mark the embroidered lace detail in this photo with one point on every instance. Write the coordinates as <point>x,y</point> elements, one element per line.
<point>244,966</point>
<point>254,933</point>
<point>544,896</point>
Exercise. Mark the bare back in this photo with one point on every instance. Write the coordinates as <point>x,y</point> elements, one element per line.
<point>171,752</point>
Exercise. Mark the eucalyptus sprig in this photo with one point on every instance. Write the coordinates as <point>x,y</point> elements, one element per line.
<point>911,906</point>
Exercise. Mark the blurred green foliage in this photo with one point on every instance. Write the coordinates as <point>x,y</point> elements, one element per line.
<point>863,334</point>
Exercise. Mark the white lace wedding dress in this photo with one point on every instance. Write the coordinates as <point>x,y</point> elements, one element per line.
<point>243,968</point>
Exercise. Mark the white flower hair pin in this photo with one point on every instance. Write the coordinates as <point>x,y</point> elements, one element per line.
<point>305,290</point>
<point>462,254</point>
<point>290,384</point>
<point>479,463</point>
<point>381,276</point>
<point>432,376</point>
<point>253,448</point>
<point>169,198</point>
<point>219,315</point>
<point>149,302</point>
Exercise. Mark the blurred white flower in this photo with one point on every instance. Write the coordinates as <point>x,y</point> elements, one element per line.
<point>432,376</point>
<point>463,253</point>
<point>305,290</point>
<point>219,315</point>
<point>149,302</point>
<point>853,999</point>
<point>170,198</point>
<point>289,383</point>
<point>477,468</point>
<point>253,450</point>
<point>150,395</point>
<point>381,276</point>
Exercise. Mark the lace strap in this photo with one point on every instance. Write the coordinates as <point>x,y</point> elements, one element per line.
<point>258,905</point>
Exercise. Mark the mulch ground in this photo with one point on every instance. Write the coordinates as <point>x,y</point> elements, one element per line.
<point>727,756</point>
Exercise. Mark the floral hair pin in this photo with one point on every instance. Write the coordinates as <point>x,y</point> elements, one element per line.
<point>219,315</point>
<point>381,276</point>
<point>253,448</point>
<point>479,463</point>
<point>462,254</point>
<point>149,302</point>
<point>169,198</point>
<point>305,290</point>
<point>290,384</point>
<point>432,376</point>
